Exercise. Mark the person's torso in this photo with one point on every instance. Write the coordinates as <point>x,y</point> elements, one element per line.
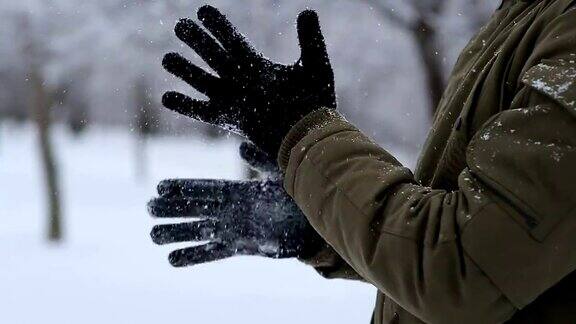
<point>483,83</point>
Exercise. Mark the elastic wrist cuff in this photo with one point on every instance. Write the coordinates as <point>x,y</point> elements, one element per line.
<point>312,121</point>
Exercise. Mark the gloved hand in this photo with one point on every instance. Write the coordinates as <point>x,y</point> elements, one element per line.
<point>251,95</point>
<point>232,218</point>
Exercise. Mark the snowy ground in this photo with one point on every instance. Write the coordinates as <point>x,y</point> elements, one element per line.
<point>108,271</point>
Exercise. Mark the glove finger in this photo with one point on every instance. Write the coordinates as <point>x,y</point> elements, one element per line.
<point>199,110</point>
<point>169,188</point>
<point>182,208</point>
<point>257,159</point>
<point>312,43</point>
<point>202,43</point>
<point>199,254</point>
<point>223,30</point>
<point>201,189</point>
<point>183,232</point>
<point>201,80</point>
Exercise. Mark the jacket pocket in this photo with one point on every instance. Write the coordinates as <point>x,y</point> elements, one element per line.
<point>521,267</point>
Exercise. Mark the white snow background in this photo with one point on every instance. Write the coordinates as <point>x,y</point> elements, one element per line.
<point>108,271</point>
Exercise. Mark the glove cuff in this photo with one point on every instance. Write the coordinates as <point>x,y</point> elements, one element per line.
<point>310,122</point>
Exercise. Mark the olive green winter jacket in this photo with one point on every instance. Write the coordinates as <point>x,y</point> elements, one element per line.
<point>484,231</point>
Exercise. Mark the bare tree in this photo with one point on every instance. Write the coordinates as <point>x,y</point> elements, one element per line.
<point>420,22</point>
<point>41,102</point>
<point>73,99</point>
<point>146,122</point>
<point>421,18</point>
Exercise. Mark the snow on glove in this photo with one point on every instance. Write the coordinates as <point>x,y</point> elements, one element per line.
<point>250,95</point>
<point>232,217</point>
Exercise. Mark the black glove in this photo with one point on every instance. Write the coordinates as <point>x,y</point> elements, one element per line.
<point>251,95</point>
<point>232,218</point>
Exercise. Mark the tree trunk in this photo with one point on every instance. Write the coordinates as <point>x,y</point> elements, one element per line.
<point>425,37</point>
<point>41,105</point>
<point>147,124</point>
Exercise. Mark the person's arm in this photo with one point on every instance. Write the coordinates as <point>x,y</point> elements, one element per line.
<point>477,254</point>
<point>480,252</point>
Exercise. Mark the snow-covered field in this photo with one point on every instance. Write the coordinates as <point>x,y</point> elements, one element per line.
<point>108,271</point>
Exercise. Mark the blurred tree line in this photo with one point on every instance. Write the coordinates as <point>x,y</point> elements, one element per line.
<point>98,62</point>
